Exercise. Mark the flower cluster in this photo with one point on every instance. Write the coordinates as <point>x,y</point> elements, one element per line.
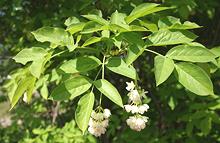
<point>137,108</point>
<point>99,122</point>
<point>136,122</point>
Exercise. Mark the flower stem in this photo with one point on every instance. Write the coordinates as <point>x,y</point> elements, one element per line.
<point>96,78</point>
<point>103,74</point>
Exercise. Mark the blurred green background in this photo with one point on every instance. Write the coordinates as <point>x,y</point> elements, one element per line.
<point>176,116</point>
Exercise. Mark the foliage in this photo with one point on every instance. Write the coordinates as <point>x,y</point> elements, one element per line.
<point>97,52</point>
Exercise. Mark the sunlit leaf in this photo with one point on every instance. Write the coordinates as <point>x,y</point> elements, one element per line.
<point>163,68</point>
<point>171,37</point>
<point>31,54</point>
<point>84,110</point>
<point>54,35</point>
<point>118,65</point>
<point>96,18</point>
<point>143,10</point>
<point>109,91</point>
<point>194,79</point>
<point>191,53</point>
<point>23,86</point>
<point>71,88</point>
<point>76,27</point>
<point>80,64</point>
<point>71,20</point>
<point>91,40</point>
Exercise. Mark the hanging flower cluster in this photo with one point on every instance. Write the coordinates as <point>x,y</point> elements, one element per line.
<point>99,121</point>
<point>136,122</point>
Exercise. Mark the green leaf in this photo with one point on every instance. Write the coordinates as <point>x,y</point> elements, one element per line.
<point>92,26</point>
<point>71,20</point>
<point>31,54</point>
<point>96,18</point>
<point>118,65</point>
<point>44,90</point>
<point>172,103</point>
<point>185,25</point>
<point>168,21</point>
<point>119,19</point>
<point>76,27</point>
<point>54,35</point>
<point>194,78</point>
<point>149,25</point>
<point>216,51</point>
<point>206,125</point>
<point>191,53</point>
<point>36,67</point>
<point>137,28</point>
<point>30,88</point>
<point>71,88</point>
<point>171,37</point>
<point>189,128</point>
<point>163,68</point>
<point>134,51</point>
<point>109,91</point>
<point>143,10</point>
<point>132,38</point>
<point>136,46</point>
<point>91,40</point>
<point>116,28</point>
<point>80,64</point>
<point>23,85</point>
<point>84,110</point>
<point>105,33</point>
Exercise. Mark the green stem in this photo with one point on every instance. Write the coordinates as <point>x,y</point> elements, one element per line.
<point>96,78</point>
<point>153,52</point>
<point>103,67</point>
<point>103,74</point>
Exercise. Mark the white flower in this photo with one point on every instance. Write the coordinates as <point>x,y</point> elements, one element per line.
<point>146,106</point>
<point>106,113</point>
<point>136,123</point>
<point>130,86</point>
<point>104,123</point>
<point>93,115</point>
<point>134,96</point>
<point>97,128</point>
<point>25,98</point>
<point>143,108</point>
<point>145,119</point>
<point>99,122</point>
<point>134,109</point>
<point>99,116</point>
<point>140,124</point>
<point>91,122</point>
<point>128,108</point>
